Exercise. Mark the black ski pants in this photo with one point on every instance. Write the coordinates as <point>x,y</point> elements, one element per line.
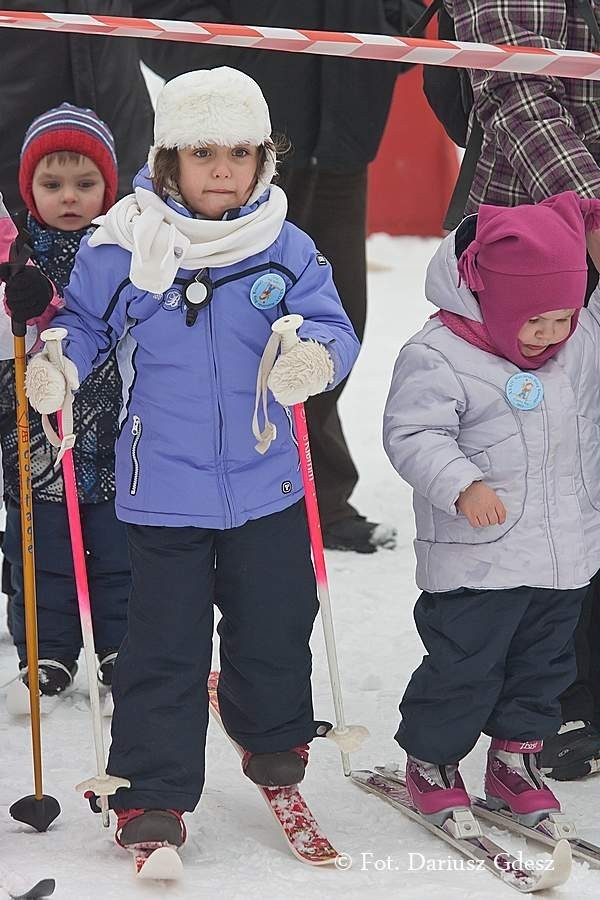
<point>496,663</point>
<point>107,562</point>
<point>331,208</point>
<point>581,700</point>
<point>260,576</point>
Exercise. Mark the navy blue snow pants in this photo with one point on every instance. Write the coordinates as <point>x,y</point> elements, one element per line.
<point>260,576</point>
<point>107,559</point>
<point>497,663</point>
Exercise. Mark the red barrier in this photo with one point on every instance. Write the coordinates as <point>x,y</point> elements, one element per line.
<point>411,180</point>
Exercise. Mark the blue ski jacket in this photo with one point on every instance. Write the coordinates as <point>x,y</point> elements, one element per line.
<point>185,454</point>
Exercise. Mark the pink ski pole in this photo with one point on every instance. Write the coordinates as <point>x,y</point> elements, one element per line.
<point>102,784</point>
<point>348,737</point>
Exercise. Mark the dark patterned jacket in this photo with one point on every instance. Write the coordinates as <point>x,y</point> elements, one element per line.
<point>95,405</point>
<point>541,133</point>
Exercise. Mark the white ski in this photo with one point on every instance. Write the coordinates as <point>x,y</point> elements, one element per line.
<point>17,700</point>
<point>159,863</point>
<point>549,831</point>
<point>493,858</point>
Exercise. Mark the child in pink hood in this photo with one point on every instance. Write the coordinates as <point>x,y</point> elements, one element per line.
<point>493,417</point>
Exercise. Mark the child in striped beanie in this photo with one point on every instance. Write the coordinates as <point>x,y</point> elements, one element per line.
<point>67,177</point>
<point>68,135</point>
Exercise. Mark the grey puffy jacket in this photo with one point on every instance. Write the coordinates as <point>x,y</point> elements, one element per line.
<point>447,423</point>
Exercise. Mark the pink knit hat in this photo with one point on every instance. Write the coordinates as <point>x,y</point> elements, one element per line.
<point>526,261</point>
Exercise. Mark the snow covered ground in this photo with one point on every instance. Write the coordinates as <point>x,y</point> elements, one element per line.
<point>234,850</point>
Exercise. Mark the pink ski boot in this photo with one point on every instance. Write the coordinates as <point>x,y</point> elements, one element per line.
<point>438,793</point>
<point>513,781</point>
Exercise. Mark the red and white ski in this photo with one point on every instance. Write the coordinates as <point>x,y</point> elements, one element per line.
<point>300,828</point>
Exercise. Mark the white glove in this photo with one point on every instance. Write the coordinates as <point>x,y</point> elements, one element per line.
<point>300,373</point>
<point>46,384</point>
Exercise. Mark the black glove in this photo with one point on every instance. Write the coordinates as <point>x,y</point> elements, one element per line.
<point>28,292</point>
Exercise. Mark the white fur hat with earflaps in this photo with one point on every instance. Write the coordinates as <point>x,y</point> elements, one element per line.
<point>221,106</point>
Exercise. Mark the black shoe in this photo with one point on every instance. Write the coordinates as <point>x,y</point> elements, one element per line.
<point>276,769</point>
<point>359,535</point>
<point>55,675</point>
<point>150,826</point>
<point>106,665</point>
<point>572,753</point>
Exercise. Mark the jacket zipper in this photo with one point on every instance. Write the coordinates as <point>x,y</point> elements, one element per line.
<point>222,477</point>
<point>136,430</point>
<point>290,419</point>
<point>545,489</point>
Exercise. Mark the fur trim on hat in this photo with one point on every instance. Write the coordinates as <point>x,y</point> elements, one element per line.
<point>210,106</point>
<point>220,106</point>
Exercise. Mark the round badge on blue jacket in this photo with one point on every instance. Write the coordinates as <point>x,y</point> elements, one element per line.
<point>524,390</point>
<point>267,291</point>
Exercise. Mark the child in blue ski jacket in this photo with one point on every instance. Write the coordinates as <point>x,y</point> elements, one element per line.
<point>185,277</point>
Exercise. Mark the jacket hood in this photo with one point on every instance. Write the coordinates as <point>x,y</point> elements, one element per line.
<point>508,265</point>
<point>443,286</point>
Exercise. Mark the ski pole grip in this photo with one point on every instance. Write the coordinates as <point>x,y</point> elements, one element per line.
<point>286,327</point>
<point>53,338</point>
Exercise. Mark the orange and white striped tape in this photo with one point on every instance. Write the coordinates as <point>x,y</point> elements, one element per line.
<point>458,54</point>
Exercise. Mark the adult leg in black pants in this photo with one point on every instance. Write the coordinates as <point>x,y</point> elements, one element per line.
<point>331,208</point>
<point>575,751</point>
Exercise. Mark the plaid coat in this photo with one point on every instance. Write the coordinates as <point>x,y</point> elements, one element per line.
<point>541,134</point>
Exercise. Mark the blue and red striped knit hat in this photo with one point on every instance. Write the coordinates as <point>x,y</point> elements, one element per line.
<point>75,130</point>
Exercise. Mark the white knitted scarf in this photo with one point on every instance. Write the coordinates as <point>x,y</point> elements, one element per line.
<point>161,240</point>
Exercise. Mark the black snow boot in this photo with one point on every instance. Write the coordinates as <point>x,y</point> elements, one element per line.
<point>150,826</point>
<point>106,665</point>
<point>359,535</point>
<point>276,769</point>
<point>572,753</point>
<point>56,675</point>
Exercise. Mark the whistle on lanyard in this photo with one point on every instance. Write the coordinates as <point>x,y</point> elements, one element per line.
<point>197,294</point>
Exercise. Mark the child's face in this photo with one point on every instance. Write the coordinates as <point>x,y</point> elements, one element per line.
<point>214,179</point>
<point>68,193</point>
<point>539,333</point>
